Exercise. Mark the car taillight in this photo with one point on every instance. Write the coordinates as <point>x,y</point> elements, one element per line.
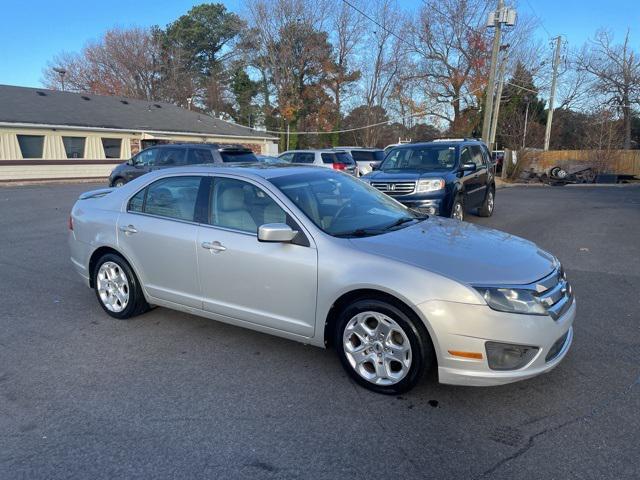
<point>70,222</point>
<point>339,166</point>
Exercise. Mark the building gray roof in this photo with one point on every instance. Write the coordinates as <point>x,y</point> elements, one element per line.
<point>23,105</point>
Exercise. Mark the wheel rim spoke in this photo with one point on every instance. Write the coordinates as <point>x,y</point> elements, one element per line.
<point>377,348</point>
<point>113,287</point>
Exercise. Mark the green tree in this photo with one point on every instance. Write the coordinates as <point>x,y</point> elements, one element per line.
<point>197,47</point>
<point>244,90</point>
<point>521,107</point>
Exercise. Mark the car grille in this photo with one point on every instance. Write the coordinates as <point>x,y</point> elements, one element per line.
<point>395,188</point>
<point>555,293</point>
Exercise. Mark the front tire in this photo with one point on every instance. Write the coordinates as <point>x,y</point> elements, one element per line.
<point>381,347</point>
<point>118,182</point>
<point>117,288</point>
<point>457,209</point>
<point>486,210</point>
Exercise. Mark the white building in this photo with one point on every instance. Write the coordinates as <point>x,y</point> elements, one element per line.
<point>49,134</point>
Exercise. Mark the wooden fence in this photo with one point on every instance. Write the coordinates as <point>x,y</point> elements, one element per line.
<point>621,162</point>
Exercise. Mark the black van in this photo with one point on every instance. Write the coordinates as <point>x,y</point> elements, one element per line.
<point>175,155</point>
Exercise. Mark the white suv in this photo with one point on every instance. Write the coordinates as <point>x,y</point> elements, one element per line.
<point>336,159</point>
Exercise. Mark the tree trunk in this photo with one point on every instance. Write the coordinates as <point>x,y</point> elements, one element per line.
<point>626,118</point>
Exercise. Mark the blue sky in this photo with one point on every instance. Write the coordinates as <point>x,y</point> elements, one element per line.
<point>34,31</point>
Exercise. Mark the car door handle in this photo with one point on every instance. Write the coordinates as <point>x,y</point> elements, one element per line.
<point>128,229</point>
<point>214,247</point>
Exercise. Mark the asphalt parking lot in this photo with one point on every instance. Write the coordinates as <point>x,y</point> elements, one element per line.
<point>173,395</point>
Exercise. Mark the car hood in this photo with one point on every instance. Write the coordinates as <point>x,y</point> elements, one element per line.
<point>463,252</point>
<point>404,174</point>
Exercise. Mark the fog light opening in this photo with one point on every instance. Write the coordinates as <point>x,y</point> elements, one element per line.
<point>505,356</point>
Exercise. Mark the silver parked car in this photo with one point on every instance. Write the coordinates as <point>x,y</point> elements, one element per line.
<point>317,256</point>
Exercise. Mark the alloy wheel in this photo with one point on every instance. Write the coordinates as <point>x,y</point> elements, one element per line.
<point>113,287</point>
<point>377,348</point>
<point>458,212</point>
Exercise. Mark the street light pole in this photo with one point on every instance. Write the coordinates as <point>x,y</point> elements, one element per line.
<point>62,72</point>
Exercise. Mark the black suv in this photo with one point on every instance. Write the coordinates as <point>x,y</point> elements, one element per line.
<point>175,155</point>
<point>443,177</point>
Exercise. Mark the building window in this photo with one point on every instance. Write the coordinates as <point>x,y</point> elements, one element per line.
<point>74,146</point>
<point>111,147</point>
<point>31,145</point>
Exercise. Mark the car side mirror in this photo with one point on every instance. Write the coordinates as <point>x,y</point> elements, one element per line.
<point>468,167</point>
<point>375,166</point>
<point>276,232</point>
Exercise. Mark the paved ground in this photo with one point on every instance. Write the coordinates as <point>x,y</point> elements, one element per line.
<point>172,395</point>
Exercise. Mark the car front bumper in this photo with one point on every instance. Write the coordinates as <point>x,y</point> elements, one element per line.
<point>432,206</point>
<point>458,327</point>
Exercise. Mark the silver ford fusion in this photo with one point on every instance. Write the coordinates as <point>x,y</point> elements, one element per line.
<point>317,256</point>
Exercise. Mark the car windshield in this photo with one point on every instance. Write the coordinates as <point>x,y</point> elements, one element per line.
<point>231,156</point>
<point>342,205</point>
<point>430,158</point>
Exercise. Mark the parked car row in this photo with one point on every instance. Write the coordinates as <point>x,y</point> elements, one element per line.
<point>446,177</point>
<point>318,256</point>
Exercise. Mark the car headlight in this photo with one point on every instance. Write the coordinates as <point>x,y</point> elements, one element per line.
<point>512,300</point>
<point>430,185</point>
<point>365,180</point>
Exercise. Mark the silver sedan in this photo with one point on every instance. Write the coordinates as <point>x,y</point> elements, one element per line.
<point>319,257</point>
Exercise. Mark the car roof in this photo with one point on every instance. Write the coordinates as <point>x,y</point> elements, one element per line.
<point>249,170</point>
<point>443,142</point>
<point>200,145</point>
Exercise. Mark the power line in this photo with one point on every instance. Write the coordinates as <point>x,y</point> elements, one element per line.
<point>390,32</point>
<point>421,113</point>
<point>540,18</point>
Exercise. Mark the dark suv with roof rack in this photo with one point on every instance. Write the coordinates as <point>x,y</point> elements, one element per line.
<point>177,155</point>
<point>445,177</point>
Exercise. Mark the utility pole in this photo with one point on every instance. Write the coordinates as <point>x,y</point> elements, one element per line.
<point>554,81</point>
<point>502,16</point>
<point>488,102</point>
<point>496,106</point>
<point>287,136</point>
<point>526,121</point>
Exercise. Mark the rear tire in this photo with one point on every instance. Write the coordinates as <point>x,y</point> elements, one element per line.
<point>117,288</point>
<point>119,182</point>
<point>486,210</point>
<point>381,347</point>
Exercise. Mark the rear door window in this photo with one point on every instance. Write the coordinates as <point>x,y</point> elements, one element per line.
<point>170,157</point>
<point>367,156</point>
<point>173,197</point>
<point>329,158</point>
<point>199,155</point>
<point>304,157</point>
<point>344,157</point>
